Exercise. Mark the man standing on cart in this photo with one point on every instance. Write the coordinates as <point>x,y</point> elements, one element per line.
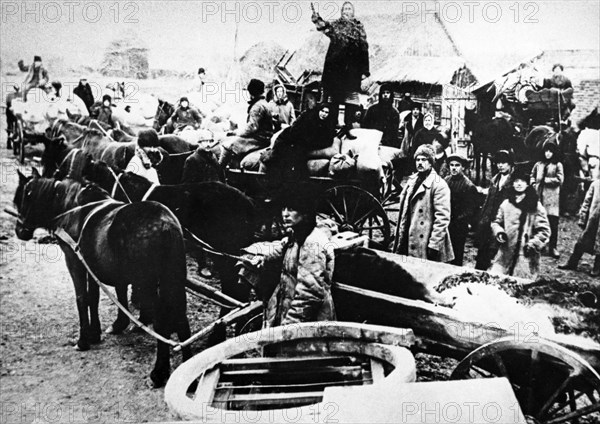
<point>346,62</point>
<point>37,75</point>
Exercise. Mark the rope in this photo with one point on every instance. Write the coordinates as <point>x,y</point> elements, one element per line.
<point>208,248</point>
<point>66,238</point>
<point>118,184</point>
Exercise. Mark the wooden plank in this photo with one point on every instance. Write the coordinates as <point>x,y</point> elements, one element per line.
<point>285,363</point>
<point>304,375</point>
<point>278,400</point>
<point>289,387</point>
<point>206,386</point>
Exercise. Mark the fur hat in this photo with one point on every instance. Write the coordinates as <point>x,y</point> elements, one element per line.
<point>426,150</point>
<point>550,145</point>
<point>184,99</point>
<point>504,156</point>
<point>37,58</point>
<point>201,71</point>
<point>106,97</point>
<point>256,87</point>
<point>458,157</point>
<point>148,138</point>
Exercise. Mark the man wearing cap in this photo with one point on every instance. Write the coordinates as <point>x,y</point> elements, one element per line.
<point>37,75</point>
<point>257,132</point>
<point>199,83</point>
<point>146,155</point>
<point>184,116</point>
<point>425,212</point>
<point>84,92</point>
<point>497,192</point>
<point>463,200</point>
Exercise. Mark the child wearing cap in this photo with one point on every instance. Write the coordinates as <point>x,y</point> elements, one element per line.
<point>521,229</point>
<point>463,195</point>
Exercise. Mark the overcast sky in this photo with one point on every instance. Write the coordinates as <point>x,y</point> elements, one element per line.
<point>186,34</point>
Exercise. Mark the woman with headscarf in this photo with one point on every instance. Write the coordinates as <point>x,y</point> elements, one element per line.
<point>310,137</point>
<point>428,135</point>
<point>282,109</point>
<point>346,62</point>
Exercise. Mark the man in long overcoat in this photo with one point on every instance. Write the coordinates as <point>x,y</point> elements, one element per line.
<point>425,212</point>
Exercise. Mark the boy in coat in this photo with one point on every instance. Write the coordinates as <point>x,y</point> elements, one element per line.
<point>425,212</point>
<point>521,229</point>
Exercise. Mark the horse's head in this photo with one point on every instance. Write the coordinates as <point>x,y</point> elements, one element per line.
<point>33,200</point>
<point>55,150</point>
<point>91,193</point>
<point>163,113</point>
<point>100,173</point>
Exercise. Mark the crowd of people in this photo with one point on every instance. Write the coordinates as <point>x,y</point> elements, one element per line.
<point>519,218</point>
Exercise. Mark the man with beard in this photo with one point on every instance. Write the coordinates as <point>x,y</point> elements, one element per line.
<point>84,91</point>
<point>346,63</point>
<point>383,116</point>
<point>425,212</point>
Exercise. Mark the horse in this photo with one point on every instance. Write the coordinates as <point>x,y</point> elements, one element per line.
<point>163,113</point>
<point>139,244</point>
<point>216,213</point>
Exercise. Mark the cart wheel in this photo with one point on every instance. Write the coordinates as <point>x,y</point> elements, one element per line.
<point>357,210</point>
<point>551,383</point>
<point>19,141</point>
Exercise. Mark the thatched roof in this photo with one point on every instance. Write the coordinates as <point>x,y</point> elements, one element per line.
<point>259,61</point>
<point>424,69</point>
<point>401,48</point>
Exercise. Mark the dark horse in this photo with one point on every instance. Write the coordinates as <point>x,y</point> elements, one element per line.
<point>163,113</point>
<point>139,244</point>
<point>94,145</point>
<point>216,213</point>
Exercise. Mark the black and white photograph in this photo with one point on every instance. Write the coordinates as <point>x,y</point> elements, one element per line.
<point>304,212</point>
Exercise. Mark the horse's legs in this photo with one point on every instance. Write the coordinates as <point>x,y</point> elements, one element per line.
<point>122,320</point>
<point>162,367</point>
<point>79,276</point>
<point>93,299</point>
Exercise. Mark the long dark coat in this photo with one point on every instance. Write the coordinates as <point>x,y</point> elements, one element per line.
<point>347,58</point>
<point>85,93</point>
<point>383,116</point>
<point>589,215</point>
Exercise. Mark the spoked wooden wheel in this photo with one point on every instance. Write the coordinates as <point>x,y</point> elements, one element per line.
<point>552,384</point>
<point>357,210</point>
<point>19,141</point>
